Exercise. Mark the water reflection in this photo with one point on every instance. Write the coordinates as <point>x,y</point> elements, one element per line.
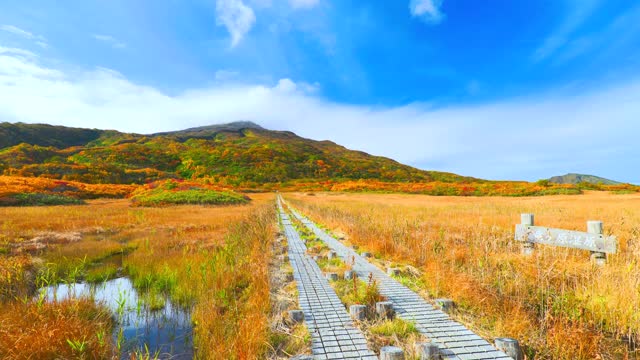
<point>166,331</point>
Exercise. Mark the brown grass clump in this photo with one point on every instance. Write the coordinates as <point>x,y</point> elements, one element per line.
<point>16,277</point>
<point>232,313</point>
<point>71,329</point>
<point>209,259</point>
<point>558,304</point>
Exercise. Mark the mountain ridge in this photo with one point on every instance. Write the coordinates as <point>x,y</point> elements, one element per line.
<point>574,179</point>
<point>234,153</point>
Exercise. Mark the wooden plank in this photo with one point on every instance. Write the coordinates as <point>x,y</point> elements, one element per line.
<point>566,238</point>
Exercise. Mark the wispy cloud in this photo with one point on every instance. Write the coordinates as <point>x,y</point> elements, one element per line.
<point>17,31</point>
<point>427,10</point>
<point>578,12</point>
<point>113,42</point>
<point>237,17</point>
<point>37,39</point>
<point>619,34</point>
<point>303,4</point>
<point>593,132</point>
<point>17,52</point>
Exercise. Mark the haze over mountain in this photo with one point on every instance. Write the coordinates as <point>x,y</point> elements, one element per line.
<point>235,153</point>
<point>572,178</point>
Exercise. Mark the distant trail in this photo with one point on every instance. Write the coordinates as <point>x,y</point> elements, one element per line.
<point>332,332</point>
<point>460,342</point>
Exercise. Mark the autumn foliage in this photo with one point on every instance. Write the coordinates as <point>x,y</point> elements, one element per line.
<point>10,186</point>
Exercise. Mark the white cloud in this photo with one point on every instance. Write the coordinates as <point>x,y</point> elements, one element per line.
<point>593,132</point>
<point>115,43</point>
<point>303,4</point>
<point>38,39</point>
<point>237,17</point>
<point>17,31</point>
<point>16,51</point>
<point>427,10</point>
<point>286,86</point>
<point>578,12</point>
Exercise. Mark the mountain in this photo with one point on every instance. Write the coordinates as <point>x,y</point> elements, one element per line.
<point>581,178</point>
<point>210,131</point>
<point>240,153</point>
<point>45,135</point>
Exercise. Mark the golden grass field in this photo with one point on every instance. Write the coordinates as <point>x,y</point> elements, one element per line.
<point>216,261</point>
<point>555,302</point>
<point>211,259</point>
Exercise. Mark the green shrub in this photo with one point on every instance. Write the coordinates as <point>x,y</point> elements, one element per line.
<point>163,197</point>
<point>40,199</point>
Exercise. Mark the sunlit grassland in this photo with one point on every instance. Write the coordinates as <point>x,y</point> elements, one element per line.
<point>71,329</point>
<point>378,331</point>
<point>212,260</point>
<point>555,302</point>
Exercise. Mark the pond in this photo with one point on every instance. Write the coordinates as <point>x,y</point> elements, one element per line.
<point>166,330</point>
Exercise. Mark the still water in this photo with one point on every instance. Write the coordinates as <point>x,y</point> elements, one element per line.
<point>166,332</point>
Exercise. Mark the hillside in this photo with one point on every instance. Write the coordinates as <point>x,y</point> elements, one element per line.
<point>237,154</point>
<point>45,135</point>
<point>581,178</point>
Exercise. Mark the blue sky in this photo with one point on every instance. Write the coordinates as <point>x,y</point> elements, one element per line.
<point>500,89</point>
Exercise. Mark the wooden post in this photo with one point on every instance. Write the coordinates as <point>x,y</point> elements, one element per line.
<point>296,316</point>
<point>331,276</point>
<point>391,353</point>
<point>511,347</point>
<point>527,247</point>
<point>446,305</point>
<point>596,227</point>
<point>358,312</point>
<point>349,275</point>
<point>393,271</point>
<point>384,309</point>
<point>428,351</point>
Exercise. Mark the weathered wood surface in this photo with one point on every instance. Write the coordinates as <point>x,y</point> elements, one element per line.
<point>566,238</point>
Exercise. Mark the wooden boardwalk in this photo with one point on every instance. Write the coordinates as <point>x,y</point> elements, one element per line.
<point>457,341</point>
<point>333,335</point>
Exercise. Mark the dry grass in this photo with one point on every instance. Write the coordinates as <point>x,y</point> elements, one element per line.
<point>287,338</point>
<point>73,329</point>
<point>211,259</point>
<point>557,303</point>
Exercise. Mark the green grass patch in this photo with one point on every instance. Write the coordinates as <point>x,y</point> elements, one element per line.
<point>80,261</point>
<point>333,265</point>
<point>164,197</point>
<point>153,300</point>
<point>295,341</point>
<point>396,327</point>
<point>415,283</point>
<point>358,292</point>
<point>39,199</point>
<point>101,273</point>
